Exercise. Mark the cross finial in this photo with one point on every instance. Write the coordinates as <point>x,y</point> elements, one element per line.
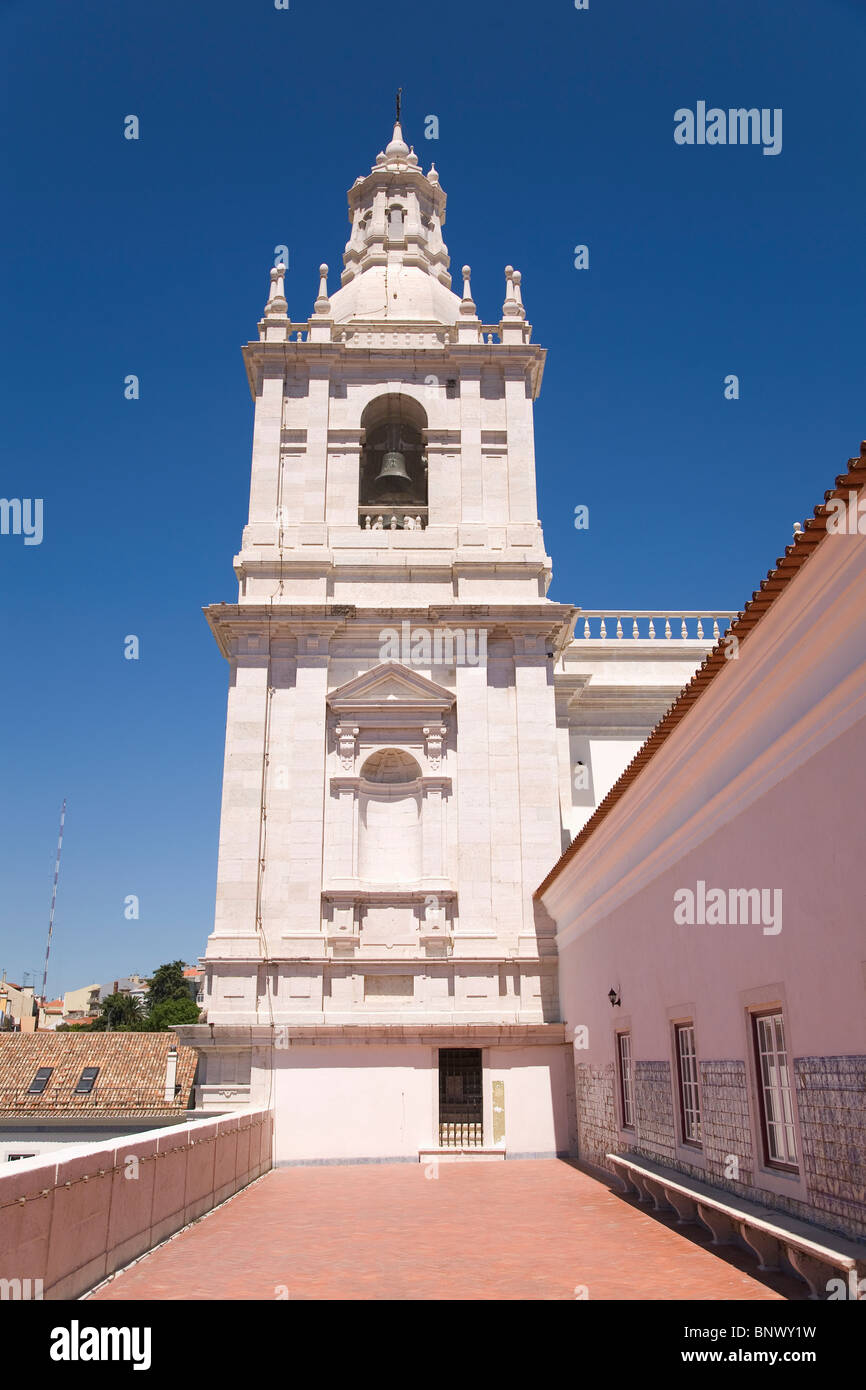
<point>399,102</point>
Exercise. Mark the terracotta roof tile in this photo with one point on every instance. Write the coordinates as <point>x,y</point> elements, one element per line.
<point>131,1077</point>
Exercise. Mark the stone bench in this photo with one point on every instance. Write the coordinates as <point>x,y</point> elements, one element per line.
<point>814,1254</point>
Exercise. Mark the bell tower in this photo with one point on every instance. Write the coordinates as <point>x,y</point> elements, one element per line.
<point>391,789</point>
<point>394,410</point>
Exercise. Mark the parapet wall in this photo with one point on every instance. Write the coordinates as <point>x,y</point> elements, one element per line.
<point>69,1222</point>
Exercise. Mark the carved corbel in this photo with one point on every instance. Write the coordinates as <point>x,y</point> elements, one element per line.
<point>347,735</point>
<point>433,738</point>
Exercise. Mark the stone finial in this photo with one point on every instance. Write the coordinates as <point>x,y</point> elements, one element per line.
<point>513,306</point>
<point>323,303</point>
<point>276,307</point>
<point>433,175</point>
<point>397,153</point>
<point>397,145</point>
<point>517,278</point>
<point>467,304</point>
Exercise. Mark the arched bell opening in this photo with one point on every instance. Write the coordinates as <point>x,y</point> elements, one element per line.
<point>393,482</point>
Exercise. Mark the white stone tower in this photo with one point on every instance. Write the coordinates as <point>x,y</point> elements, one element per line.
<point>397,765</point>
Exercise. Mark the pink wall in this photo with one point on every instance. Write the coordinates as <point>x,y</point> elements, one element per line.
<point>816,961</point>
<point>759,786</point>
<point>82,1217</point>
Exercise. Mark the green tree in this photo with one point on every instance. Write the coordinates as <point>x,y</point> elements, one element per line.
<point>119,1013</point>
<point>163,1017</point>
<point>168,983</point>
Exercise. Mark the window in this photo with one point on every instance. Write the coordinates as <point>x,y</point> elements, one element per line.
<point>40,1081</point>
<point>626,1082</point>
<point>774,1091</point>
<point>395,222</point>
<point>687,1077</point>
<point>86,1080</point>
<point>461,1107</point>
<point>14,1158</point>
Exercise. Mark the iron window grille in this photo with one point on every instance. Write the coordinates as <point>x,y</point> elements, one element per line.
<point>689,1093</point>
<point>626,1079</point>
<point>460,1098</point>
<point>776,1101</point>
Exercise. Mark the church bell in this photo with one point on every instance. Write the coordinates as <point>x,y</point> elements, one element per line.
<point>393,470</point>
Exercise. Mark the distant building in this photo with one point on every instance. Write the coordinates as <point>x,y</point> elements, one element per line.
<point>58,1089</point>
<point>17,1007</point>
<point>134,985</point>
<point>50,1013</point>
<point>81,1004</point>
<point>194,976</point>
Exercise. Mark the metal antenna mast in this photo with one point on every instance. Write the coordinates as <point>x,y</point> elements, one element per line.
<point>53,899</point>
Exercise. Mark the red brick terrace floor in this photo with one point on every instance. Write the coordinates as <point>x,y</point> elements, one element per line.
<point>529,1229</point>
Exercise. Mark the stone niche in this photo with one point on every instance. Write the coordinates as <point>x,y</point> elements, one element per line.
<point>389,818</point>
<point>388,842</point>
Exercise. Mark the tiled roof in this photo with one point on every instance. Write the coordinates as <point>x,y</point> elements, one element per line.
<point>777,580</point>
<point>131,1079</point>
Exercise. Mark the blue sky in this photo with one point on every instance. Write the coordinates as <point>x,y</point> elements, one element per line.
<point>151,257</point>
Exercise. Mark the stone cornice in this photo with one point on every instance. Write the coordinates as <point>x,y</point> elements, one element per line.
<point>514,962</point>
<point>372,894</point>
<point>229,622</point>
<point>201,1035</point>
<point>384,556</point>
<point>274,358</point>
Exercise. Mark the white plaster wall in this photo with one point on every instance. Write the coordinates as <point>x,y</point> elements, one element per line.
<point>608,759</point>
<point>381,1101</point>
<point>362,1101</point>
<point>536,1097</point>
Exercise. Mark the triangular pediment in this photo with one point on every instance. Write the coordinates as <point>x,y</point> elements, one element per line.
<point>391,684</point>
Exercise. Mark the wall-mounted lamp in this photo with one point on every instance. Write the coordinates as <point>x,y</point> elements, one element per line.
<point>615,1001</point>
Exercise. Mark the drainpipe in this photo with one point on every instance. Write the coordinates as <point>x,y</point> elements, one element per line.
<point>170,1075</point>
